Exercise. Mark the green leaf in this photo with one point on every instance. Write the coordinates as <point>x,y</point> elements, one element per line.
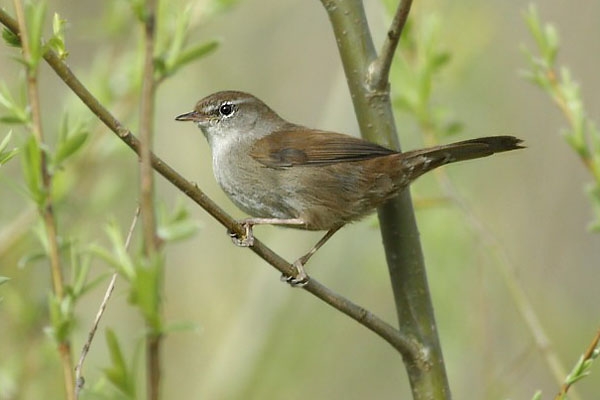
<point>35,14</point>
<point>18,113</point>
<point>593,192</point>
<point>440,60</point>
<point>68,147</point>
<point>139,9</point>
<point>546,38</point>
<point>532,20</point>
<point>11,119</point>
<point>118,374</point>
<point>179,36</point>
<point>174,223</point>
<point>454,128</point>
<point>181,326</point>
<point>92,284</point>
<point>196,52</point>
<point>57,41</point>
<point>11,38</point>
<point>145,290</point>
<point>178,231</point>
<point>119,259</point>
<point>179,60</point>
<point>80,263</point>
<point>31,258</point>
<point>218,6</point>
<point>61,317</point>
<point>31,166</point>
<point>551,44</point>
<point>5,154</point>
<point>537,395</point>
<point>4,279</point>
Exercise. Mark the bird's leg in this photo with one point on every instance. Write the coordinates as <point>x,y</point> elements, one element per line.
<point>247,240</point>
<point>301,278</point>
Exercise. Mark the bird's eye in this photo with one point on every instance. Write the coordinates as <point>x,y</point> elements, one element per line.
<point>226,109</point>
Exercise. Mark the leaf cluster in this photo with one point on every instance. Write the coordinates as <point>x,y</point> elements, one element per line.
<point>582,134</point>
<point>75,147</point>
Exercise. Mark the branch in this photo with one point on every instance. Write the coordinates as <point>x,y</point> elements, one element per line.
<point>581,369</point>
<point>401,342</point>
<point>151,243</point>
<point>146,134</point>
<point>379,70</point>
<point>45,206</point>
<point>79,381</point>
<point>399,231</point>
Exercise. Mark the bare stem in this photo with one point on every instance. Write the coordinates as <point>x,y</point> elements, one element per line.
<point>151,243</point>
<point>379,70</point>
<point>146,133</point>
<point>46,209</point>
<point>400,341</point>
<point>79,380</point>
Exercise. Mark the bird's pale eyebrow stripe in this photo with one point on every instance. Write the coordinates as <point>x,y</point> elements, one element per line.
<point>211,107</point>
<point>240,101</point>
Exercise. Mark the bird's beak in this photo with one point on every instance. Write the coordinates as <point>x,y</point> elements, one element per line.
<point>191,116</point>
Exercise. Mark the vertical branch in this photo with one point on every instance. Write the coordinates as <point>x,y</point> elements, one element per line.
<point>45,208</point>
<point>146,133</point>
<point>366,75</point>
<point>151,243</point>
<point>36,128</point>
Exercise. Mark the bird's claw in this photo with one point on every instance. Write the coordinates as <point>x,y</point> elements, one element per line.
<point>247,240</point>
<point>300,280</point>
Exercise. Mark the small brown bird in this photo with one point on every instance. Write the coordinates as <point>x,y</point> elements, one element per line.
<point>286,174</point>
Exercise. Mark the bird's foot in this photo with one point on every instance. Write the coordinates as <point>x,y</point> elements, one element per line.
<point>301,279</point>
<point>247,239</point>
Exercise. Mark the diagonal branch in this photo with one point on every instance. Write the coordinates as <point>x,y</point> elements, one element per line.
<point>401,342</point>
<point>379,70</point>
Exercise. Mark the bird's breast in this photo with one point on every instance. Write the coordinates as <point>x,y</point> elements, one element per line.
<point>257,190</point>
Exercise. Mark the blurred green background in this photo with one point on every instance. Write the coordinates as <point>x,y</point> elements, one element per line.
<point>256,337</point>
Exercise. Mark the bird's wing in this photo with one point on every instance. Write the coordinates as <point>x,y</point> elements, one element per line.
<point>290,148</point>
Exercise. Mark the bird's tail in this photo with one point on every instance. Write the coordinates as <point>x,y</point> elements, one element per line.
<point>417,162</point>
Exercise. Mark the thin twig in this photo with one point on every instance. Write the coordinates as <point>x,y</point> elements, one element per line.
<point>79,380</point>
<point>586,356</point>
<point>560,99</point>
<point>400,341</point>
<point>151,245</point>
<point>46,209</point>
<point>379,70</point>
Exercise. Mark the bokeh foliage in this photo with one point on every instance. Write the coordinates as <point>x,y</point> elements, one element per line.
<point>255,336</point>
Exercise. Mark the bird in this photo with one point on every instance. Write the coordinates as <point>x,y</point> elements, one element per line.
<point>282,173</point>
